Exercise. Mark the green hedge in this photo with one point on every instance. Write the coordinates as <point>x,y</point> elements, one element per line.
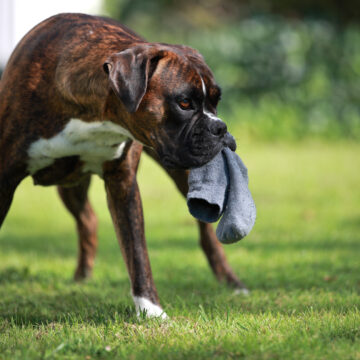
<point>281,78</point>
<point>287,79</point>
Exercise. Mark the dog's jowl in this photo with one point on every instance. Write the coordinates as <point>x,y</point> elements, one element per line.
<point>83,95</point>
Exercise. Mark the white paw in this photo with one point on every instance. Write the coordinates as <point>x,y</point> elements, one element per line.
<point>144,305</point>
<point>241,292</point>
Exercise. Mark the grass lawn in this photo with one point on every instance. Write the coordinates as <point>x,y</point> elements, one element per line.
<point>301,263</point>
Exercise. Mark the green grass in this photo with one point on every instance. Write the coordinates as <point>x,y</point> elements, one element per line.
<point>301,262</point>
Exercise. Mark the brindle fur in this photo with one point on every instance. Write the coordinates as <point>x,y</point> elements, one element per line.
<point>55,74</point>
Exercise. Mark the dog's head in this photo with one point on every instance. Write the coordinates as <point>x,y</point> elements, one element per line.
<point>170,98</point>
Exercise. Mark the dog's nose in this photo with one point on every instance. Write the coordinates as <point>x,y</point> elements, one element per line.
<point>218,128</point>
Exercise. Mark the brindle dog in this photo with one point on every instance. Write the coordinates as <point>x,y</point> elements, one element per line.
<point>83,95</point>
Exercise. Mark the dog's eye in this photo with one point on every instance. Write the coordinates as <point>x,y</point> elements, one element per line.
<point>185,104</point>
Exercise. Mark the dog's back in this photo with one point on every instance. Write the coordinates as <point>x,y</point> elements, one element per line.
<point>46,53</point>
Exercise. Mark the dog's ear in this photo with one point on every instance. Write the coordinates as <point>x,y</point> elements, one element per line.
<point>129,72</point>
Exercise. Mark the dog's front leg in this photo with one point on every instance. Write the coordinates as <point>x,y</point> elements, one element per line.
<point>8,184</point>
<point>126,210</point>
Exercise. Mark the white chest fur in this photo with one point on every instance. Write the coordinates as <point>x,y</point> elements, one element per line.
<point>94,142</point>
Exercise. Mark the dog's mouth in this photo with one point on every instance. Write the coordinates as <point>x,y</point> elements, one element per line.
<point>193,144</point>
<point>229,141</point>
<point>196,153</point>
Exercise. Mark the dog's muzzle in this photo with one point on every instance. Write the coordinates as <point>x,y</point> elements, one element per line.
<point>197,144</point>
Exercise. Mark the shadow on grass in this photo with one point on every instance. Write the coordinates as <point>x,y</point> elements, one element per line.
<point>65,247</point>
<point>50,245</point>
<point>17,275</point>
<point>58,300</point>
<point>101,306</point>
<point>352,222</point>
<point>67,307</point>
<point>65,244</point>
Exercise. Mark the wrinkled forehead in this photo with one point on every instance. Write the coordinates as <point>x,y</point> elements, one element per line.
<point>175,72</point>
<point>179,72</point>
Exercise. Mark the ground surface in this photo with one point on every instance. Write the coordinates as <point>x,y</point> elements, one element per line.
<point>301,263</point>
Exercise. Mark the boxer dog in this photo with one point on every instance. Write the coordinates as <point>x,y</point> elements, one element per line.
<point>83,95</point>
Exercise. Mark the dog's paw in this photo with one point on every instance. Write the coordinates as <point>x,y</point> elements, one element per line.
<point>146,307</point>
<point>82,274</point>
<point>241,292</point>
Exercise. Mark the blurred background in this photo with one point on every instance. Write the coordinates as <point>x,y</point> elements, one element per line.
<point>290,74</point>
<point>288,69</point>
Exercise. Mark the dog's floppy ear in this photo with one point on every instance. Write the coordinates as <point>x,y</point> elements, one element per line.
<point>129,72</point>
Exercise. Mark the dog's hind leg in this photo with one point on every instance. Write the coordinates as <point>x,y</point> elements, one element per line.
<point>216,257</point>
<point>76,201</point>
<point>209,243</point>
